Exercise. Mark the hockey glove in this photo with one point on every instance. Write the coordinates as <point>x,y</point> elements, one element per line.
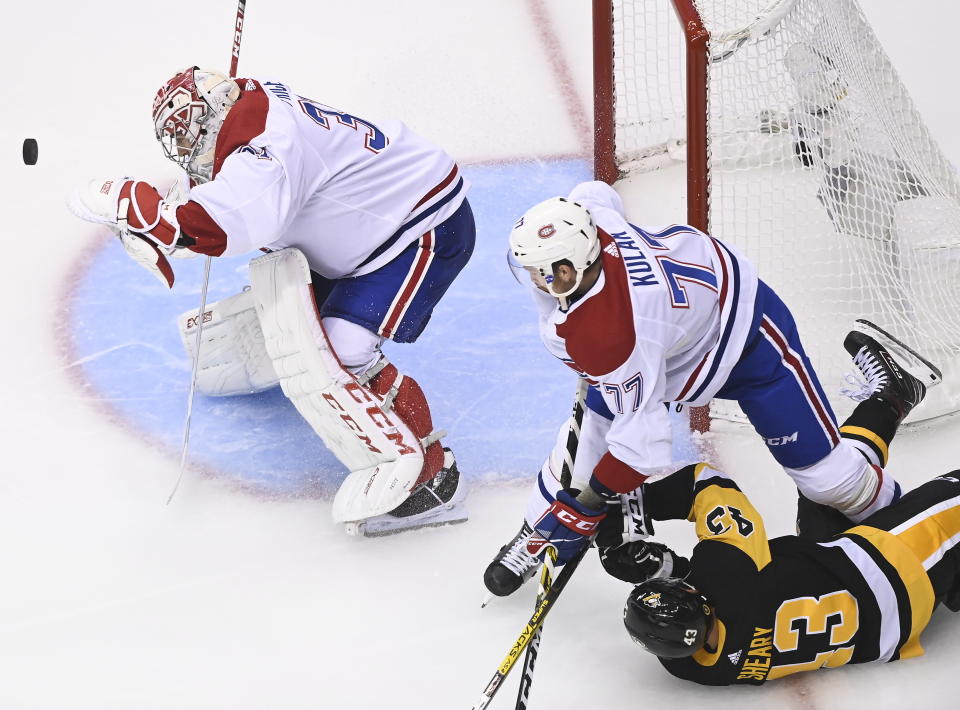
<point>135,212</point>
<point>626,521</point>
<point>639,561</point>
<point>568,525</point>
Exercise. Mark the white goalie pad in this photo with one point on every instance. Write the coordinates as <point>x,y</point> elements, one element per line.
<point>233,357</point>
<point>383,455</point>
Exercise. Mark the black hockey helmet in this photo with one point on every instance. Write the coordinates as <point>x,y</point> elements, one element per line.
<point>668,617</point>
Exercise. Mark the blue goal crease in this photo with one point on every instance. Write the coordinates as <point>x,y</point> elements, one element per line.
<point>490,382</point>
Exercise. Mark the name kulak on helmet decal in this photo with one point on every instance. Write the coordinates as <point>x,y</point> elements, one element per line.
<point>546,231</point>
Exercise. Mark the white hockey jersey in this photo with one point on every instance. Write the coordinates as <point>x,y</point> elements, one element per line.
<point>665,322</point>
<point>290,172</point>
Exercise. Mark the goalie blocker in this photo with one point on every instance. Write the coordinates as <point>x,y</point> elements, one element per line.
<point>376,424</point>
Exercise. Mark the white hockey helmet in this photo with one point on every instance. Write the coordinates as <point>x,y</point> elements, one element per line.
<point>188,112</point>
<point>555,230</point>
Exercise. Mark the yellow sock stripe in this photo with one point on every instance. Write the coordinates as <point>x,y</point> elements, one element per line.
<point>871,437</point>
<point>914,577</point>
<point>928,535</point>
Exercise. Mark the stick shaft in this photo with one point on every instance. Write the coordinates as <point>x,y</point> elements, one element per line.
<point>533,648</point>
<point>527,634</point>
<point>573,435</point>
<point>237,36</point>
<point>234,60</point>
<point>193,378</point>
<point>546,573</point>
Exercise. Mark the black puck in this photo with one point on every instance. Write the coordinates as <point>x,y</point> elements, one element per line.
<point>30,151</point>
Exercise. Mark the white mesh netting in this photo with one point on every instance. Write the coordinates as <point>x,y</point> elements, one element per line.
<point>820,169</point>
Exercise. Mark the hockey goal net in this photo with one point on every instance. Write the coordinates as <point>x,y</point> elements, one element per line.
<point>800,145</point>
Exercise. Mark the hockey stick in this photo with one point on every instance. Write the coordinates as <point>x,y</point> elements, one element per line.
<point>234,59</point>
<point>533,648</point>
<point>529,630</point>
<point>546,572</point>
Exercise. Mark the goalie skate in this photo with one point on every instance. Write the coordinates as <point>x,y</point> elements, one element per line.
<point>439,501</point>
<point>892,371</point>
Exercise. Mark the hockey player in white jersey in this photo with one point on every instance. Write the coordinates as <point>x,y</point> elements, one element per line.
<point>365,224</point>
<point>654,316</point>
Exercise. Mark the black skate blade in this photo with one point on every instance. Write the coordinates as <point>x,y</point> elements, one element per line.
<point>917,365</point>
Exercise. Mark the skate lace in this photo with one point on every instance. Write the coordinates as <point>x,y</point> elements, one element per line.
<point>870,378</point>
<point>517,559</point>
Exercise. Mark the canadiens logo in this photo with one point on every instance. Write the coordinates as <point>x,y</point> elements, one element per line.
<point>548,230</point>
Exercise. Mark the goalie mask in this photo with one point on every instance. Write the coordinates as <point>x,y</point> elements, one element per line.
<point>188,112</point>
<point>668,617</point>
<point>554,230</point>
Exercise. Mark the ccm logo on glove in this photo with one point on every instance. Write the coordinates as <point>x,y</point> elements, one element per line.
<point>574,521</point>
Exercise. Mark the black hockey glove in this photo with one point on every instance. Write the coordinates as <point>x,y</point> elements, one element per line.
<point>624,551</point>
<point>639,561</point>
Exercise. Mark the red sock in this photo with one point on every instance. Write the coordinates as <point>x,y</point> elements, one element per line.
<point>410,406</point>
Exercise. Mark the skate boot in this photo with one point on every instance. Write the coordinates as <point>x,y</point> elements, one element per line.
<point>876,354</point>
<point>512,566</point>
<point>439,501</point>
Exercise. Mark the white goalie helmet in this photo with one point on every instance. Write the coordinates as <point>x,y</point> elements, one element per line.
<point>554,230</point>
<point>188,112</point>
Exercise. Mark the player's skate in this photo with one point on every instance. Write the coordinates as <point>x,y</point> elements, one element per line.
<point>439,501</point>
<point>512,566</point>
<point>891,370</point>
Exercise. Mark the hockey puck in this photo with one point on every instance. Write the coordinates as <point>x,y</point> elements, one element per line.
<point>30,151</point>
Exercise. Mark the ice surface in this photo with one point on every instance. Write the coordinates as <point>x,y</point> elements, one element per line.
<point>242,594</point>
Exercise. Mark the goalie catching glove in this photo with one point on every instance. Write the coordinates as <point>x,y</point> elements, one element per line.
<point>135,211</point>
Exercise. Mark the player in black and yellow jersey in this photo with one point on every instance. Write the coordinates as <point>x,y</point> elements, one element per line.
<point>753,609</point>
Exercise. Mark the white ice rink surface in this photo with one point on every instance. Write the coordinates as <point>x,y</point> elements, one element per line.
<point>111,600</point>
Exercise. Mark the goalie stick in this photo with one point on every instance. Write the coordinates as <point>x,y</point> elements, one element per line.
<point>546,572</point>
<point>234,59</point>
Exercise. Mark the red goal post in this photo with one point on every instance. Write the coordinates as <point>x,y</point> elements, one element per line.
<point>801,147</point>
<point>604,148</point>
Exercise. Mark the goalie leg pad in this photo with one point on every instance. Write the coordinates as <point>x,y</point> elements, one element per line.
<point>384,456</point>
<point>409,403</point>
<point>233,358</point>
<point>359,351</point>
